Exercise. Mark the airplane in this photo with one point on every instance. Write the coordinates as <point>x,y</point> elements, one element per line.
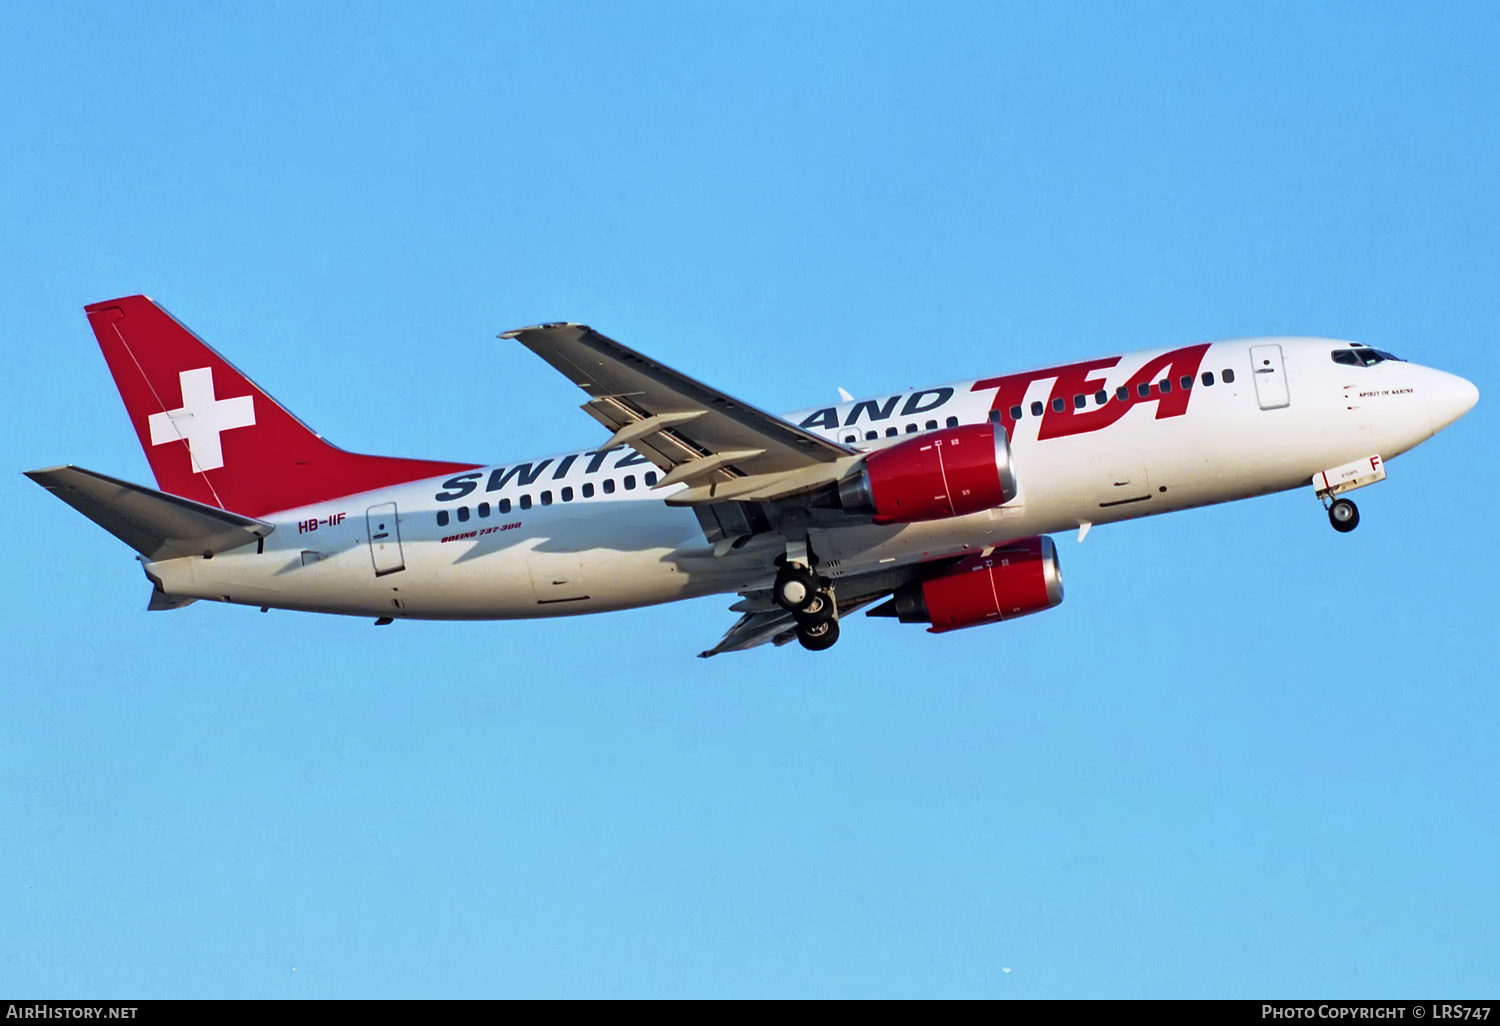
<point>930,506</point>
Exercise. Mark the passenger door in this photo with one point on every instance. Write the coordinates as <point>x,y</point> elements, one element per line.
<point>385,539</point>
<point>1270,377</point>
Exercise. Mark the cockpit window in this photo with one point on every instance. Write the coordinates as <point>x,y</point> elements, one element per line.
<point>1362,356</point>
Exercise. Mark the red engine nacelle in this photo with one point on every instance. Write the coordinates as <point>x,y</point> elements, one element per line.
<point>949,473</point>
<point>1013,580</point>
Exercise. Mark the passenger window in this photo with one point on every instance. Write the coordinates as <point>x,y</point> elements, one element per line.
<point>1143,390</point>
<point>1208,378</point>
<point>932,425</point>
<point>504,505</point>
<point>1165,386</point>
<point>1122,393</point>
<point>463,514</point>
<point>1228,376</point>
<point>588,489</point>
<point>567,495</point>
<point>850,439</point>
<point>1059,404</point>
<point>1079,402</point>
<point>526,501</point>
<point>1186,382</point>
<point>1015,413</point>
<point>442,518</point>
<point>609,486</point>
<point>911,429</point>
<point>546,498</point>
<point>630,482</point>
<point>650,478</point>
<point>1037,409</point>
<point>870,436</point>
<point>953,422</point>
<point>1101,397</point>
<point>483,510</point>
<point>891,432</point>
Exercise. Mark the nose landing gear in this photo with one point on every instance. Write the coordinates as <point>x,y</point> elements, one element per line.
<point>1327,484</point>
<point>1343,515</point>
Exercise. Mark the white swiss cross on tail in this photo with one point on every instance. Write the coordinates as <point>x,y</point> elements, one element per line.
<point>201,419</point>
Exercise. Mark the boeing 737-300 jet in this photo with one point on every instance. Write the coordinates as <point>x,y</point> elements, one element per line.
<point>931,506</point>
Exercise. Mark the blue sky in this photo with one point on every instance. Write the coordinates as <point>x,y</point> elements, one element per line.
<point>1246,757</point>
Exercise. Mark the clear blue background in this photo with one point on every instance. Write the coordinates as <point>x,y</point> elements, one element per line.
<point>1246,757</point>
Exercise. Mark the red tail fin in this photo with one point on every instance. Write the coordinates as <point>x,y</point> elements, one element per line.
<point>211,435</point>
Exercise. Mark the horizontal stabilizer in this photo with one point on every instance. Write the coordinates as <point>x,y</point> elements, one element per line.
<point>160,601</point>
<point>157,525</point>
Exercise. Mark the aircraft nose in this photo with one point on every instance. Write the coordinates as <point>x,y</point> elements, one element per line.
<point>1451,397</point>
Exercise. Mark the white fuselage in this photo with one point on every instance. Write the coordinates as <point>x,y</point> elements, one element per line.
<point>583,532</point>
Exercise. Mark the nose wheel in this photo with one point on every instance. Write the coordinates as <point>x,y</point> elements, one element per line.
<point>1330,483</point>
<point>1343,515</point>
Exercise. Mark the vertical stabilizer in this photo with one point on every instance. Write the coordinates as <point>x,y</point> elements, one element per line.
<point>212,435</point>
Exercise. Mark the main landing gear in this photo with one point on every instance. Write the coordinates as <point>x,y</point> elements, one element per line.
<point>796,587</point>
<point>818,632</point>
<point>810,600</point>
<point>1343,515</point>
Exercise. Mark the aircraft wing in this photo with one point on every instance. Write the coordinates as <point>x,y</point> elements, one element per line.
<point>718,446</point>
<point>755,629</point>
<point>764,621</point>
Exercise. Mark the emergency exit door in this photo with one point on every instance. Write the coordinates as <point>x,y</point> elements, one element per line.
<point>1270,377</point>
<point>385,539</point>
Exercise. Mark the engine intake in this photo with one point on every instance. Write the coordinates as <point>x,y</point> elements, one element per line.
<point>1014,580</point>
<point>948,473</point>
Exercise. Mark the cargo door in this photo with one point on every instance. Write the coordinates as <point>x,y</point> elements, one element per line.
<point>556,577</point>
<point>1122,480</point>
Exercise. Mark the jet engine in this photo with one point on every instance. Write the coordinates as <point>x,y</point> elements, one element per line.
<point>948,473</point>
<point>1013,580</point>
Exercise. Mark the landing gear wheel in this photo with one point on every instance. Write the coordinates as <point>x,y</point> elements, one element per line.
<point>819,607</point>
<point>796,588</point>
<point>817,635</point>
<point>1343,515</point>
